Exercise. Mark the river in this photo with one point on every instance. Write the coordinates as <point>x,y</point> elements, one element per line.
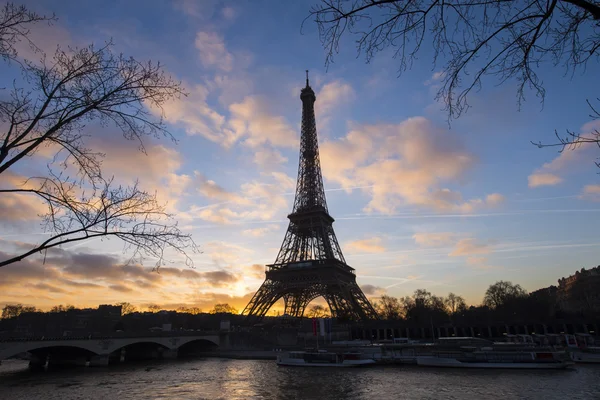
<point>248,379</point>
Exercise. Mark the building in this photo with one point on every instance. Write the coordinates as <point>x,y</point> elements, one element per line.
<point>580,293</point>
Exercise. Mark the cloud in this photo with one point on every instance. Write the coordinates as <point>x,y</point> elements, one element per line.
<point>476,261</point>
<point>213,53</point>
<point>259,232</point>
<point>220,278</point>
<point>252,119</point>
<point>194,8</point>
<point>46,38</point>
<point>229,13</point>
<point>256,271</point>
<point>591,192</point>
<point>331,96</point>
<point>435,78</point>
<point>20,206</point>
<point>434,239</point>
<point>49,288</point>
<point>255,200</point>
<point>543,179</point>
<point>90,279</point>
<point>591,189</point>
<point>225,254</point>
<point>207,300</point>
<point>372,290</point>
<point>403,164</point>
<point>211,190</point>
<point>269,159</point>
<point>569,160</point>
<point>197,117</point>
<point>120,288</point>
<point>372,245</point>
<point>467,247</point>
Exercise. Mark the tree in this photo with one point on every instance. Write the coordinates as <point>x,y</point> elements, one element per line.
<point>127,308</point>
<point>472,39</point>
<point>53,108</point>
<point>572,140</point>
<point>389,307</point>
<point>189,310</point>
<point>14,310</point>
<point>512,38</point>
<point>223,309</point>
<point>317,311</point>
<point>424,307</point>
<point>154,308</point>
<point>455,303</point>
<point>501,293</point>
<point>61,308</point>
<point>14,22</point>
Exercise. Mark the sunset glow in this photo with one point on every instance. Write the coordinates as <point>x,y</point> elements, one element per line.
<point>419,202</point>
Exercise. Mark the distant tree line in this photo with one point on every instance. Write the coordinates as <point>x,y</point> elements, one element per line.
<point>14,310</point>
<point>503,301</point>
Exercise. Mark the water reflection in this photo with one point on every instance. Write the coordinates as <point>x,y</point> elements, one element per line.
<point>245,379</point>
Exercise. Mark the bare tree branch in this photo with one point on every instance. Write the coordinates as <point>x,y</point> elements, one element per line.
<point>505,38</point>
<point>59,98</point>
<point>573,140</point>
<point>14,26</point>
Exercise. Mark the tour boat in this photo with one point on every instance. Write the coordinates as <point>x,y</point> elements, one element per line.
<point>583,348</point>
<point>590,355</point>
<point>475,353</point>
<point>497,361</point>
<point>323,358</point>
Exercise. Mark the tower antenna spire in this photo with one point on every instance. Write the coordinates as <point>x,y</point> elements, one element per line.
<point>307,78</point>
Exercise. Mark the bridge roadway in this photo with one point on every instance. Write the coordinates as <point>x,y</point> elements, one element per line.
<point>102,347</point>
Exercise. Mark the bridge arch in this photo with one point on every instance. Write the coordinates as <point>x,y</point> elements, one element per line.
<point>137,350</point>
<point>36,347</point>
<point>196,347</point>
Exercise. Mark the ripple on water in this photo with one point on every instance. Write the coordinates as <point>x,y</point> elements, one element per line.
<point>246,379</point>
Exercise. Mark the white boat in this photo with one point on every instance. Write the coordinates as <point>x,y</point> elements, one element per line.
<point>323,358</point>
<point>589,355</point>
<point>583,348</point>
<point>470,352</point>
<point>433,361</point>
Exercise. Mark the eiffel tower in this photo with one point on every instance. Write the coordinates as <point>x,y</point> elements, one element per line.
<point>310,262</point>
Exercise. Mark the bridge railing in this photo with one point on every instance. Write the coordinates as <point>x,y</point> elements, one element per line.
<point>118,335</point>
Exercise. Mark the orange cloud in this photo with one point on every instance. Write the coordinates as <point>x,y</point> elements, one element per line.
<point>434,239</point>
<point>259,232</point>
<point>198,118</point>
<point>567,161</point>
<point>467,247</point>
<point>255,200</point>
<point>403,164</point>
<point>591,192</point>
<point>543,179</point>
<point>89,279</point>
<point>252,119</point>
<point>372,245</point>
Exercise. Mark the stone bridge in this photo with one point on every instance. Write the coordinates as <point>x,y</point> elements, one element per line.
<point>100,349</point>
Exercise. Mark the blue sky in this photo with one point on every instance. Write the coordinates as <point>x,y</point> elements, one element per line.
<point>417,203</point>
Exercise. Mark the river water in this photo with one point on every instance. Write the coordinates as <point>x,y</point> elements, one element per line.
<point>248,379</point>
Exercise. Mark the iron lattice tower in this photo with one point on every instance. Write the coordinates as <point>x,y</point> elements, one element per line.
<point>310,262</point>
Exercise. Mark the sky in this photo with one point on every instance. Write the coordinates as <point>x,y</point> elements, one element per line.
<point>418,202</point>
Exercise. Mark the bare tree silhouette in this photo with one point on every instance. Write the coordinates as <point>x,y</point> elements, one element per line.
<point>473,39</point>
<point>511,37</point>
<point>60,96</point>
<point>14,26</point>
